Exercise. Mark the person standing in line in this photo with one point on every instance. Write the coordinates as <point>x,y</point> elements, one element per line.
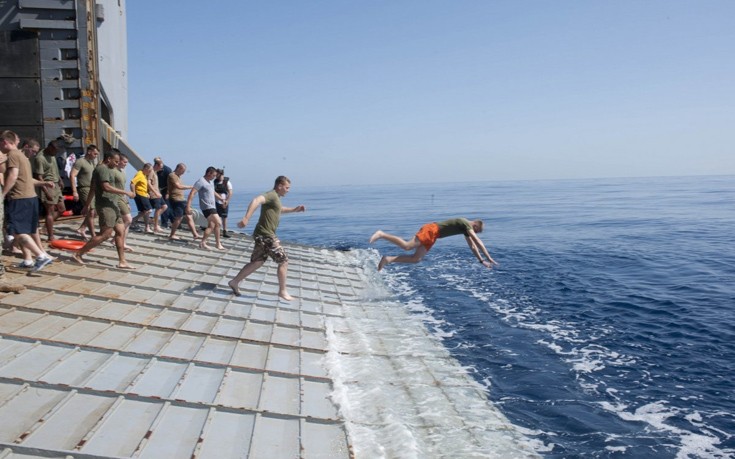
<point>178,203</point>
<point>4,287</point>
<point>19,187</point>
<point>157,201</point>
<point>30,147</point>
<point>428,235</point>
<point>163,171</point>
<point>139,185</point>
<point>207,202</point>
<point>106,198</point>
<point>46,169</point>
<point>223,187</point>
<point>266,242</point>
<point>123,203</point>
<point>81,180</point>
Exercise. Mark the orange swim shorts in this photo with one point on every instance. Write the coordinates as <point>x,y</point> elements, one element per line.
<point>427,235</point>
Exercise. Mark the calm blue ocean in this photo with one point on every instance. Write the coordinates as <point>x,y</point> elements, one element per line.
<point>608,330</point>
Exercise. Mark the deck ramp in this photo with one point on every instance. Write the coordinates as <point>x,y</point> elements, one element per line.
<point>164,362</point>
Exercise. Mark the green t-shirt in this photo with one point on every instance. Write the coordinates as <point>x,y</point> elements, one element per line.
<point>45,165</point>
<point>84,170</point>
<point>103,198</point>
<point>118,181</point>
<point>270,215</point>
<point>453,227</point>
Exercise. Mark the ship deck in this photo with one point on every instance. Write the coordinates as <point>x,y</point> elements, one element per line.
<point>164,361</point>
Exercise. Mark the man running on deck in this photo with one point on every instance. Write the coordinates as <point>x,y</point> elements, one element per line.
<point>428,235</point>
<point>266,241</point>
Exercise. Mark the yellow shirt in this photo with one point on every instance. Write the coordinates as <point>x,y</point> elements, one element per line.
<point>140,182</point>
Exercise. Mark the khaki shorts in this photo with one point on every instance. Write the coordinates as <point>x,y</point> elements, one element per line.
<point>83,195</point>
<point>109,216</point>
<point>266,247</point>
<point>124,206</point>
<point>51,196</point>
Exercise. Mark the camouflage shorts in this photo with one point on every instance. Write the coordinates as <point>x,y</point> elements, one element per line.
<point>268,247</point>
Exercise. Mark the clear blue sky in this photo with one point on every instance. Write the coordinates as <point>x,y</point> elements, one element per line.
<point>372,92</point>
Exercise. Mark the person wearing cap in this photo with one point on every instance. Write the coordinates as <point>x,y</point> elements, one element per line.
<point>223,187</point>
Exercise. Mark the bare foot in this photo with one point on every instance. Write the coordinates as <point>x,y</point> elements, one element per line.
<point>204,246</point>
<point>376,235</point>
<point>285,296</point>
<point>127,248</point>
<point>11,288</point>
<point>159,231</point>
<point>174,238</point>
<point>383,262</point>
<point>125,266</point>
<point>83,234</point>
<point>78,258</point>
<point>221,247</point>
<point>235,289</point>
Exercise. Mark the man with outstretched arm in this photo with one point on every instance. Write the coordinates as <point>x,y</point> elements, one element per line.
<point>266,241</point>
<point>428,235</point>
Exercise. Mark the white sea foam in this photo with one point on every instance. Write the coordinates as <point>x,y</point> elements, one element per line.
<point>400,391</point>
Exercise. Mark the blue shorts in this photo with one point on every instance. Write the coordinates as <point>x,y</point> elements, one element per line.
<point>178,208</point>
<point>157,203</point>
<point>142,203</point>
<point>22,216</point>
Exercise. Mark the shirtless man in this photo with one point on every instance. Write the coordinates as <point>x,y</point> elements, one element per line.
<point>428,235</point>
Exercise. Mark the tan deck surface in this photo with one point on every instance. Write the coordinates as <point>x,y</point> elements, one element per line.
<point>164,362</point>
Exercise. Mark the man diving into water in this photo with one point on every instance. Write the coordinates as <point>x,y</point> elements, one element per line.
<point>428,235</point>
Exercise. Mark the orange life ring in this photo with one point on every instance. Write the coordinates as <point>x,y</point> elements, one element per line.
<point>67,244</point>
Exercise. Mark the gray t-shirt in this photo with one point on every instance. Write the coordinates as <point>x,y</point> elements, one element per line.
<point>206,193</point>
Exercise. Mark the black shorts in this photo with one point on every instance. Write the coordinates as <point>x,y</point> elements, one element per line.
<point>157,203</point>
<point>142,203</point>
<point>178,208</point>
<point>208,212</point>
<point>22,216</point>
<point>222,210</point>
